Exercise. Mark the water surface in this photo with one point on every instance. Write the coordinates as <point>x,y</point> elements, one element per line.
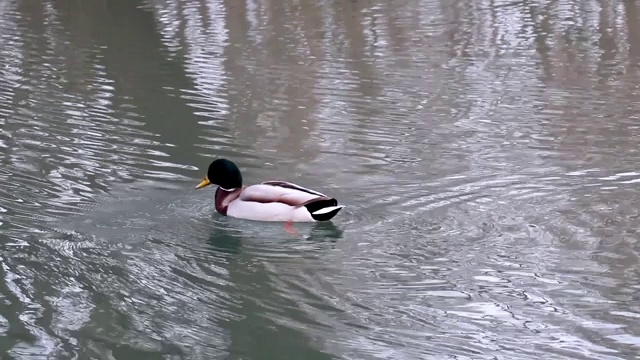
<point>487,152</point>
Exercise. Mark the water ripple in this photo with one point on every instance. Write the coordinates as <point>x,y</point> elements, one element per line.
<point>486,153</point>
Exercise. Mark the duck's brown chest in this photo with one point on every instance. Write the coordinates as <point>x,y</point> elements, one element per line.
<point>224,197</point>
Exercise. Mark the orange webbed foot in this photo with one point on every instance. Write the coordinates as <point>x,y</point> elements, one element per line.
<point>288,226</point>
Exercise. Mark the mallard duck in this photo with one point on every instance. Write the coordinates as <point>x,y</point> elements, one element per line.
<point>267,201</point>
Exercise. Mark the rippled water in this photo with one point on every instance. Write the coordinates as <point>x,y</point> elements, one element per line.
<point>487,152</point>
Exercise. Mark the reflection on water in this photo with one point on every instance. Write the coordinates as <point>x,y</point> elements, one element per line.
<point>486,150</point>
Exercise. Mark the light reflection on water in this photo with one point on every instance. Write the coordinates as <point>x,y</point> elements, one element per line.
<point>486,152</point>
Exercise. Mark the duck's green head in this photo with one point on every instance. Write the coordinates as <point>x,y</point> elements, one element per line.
<point>223,173</point>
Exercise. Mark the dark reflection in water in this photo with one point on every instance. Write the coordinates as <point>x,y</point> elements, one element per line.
<point>487,152</point>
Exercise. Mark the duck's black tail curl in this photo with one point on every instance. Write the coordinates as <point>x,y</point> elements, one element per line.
<point>323,209</point>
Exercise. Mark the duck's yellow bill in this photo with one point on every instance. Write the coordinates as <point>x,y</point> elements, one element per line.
<point>204,183</point>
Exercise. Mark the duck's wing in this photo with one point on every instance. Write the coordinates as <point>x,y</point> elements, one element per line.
<point>292,186</point>
<point>280,191</point>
